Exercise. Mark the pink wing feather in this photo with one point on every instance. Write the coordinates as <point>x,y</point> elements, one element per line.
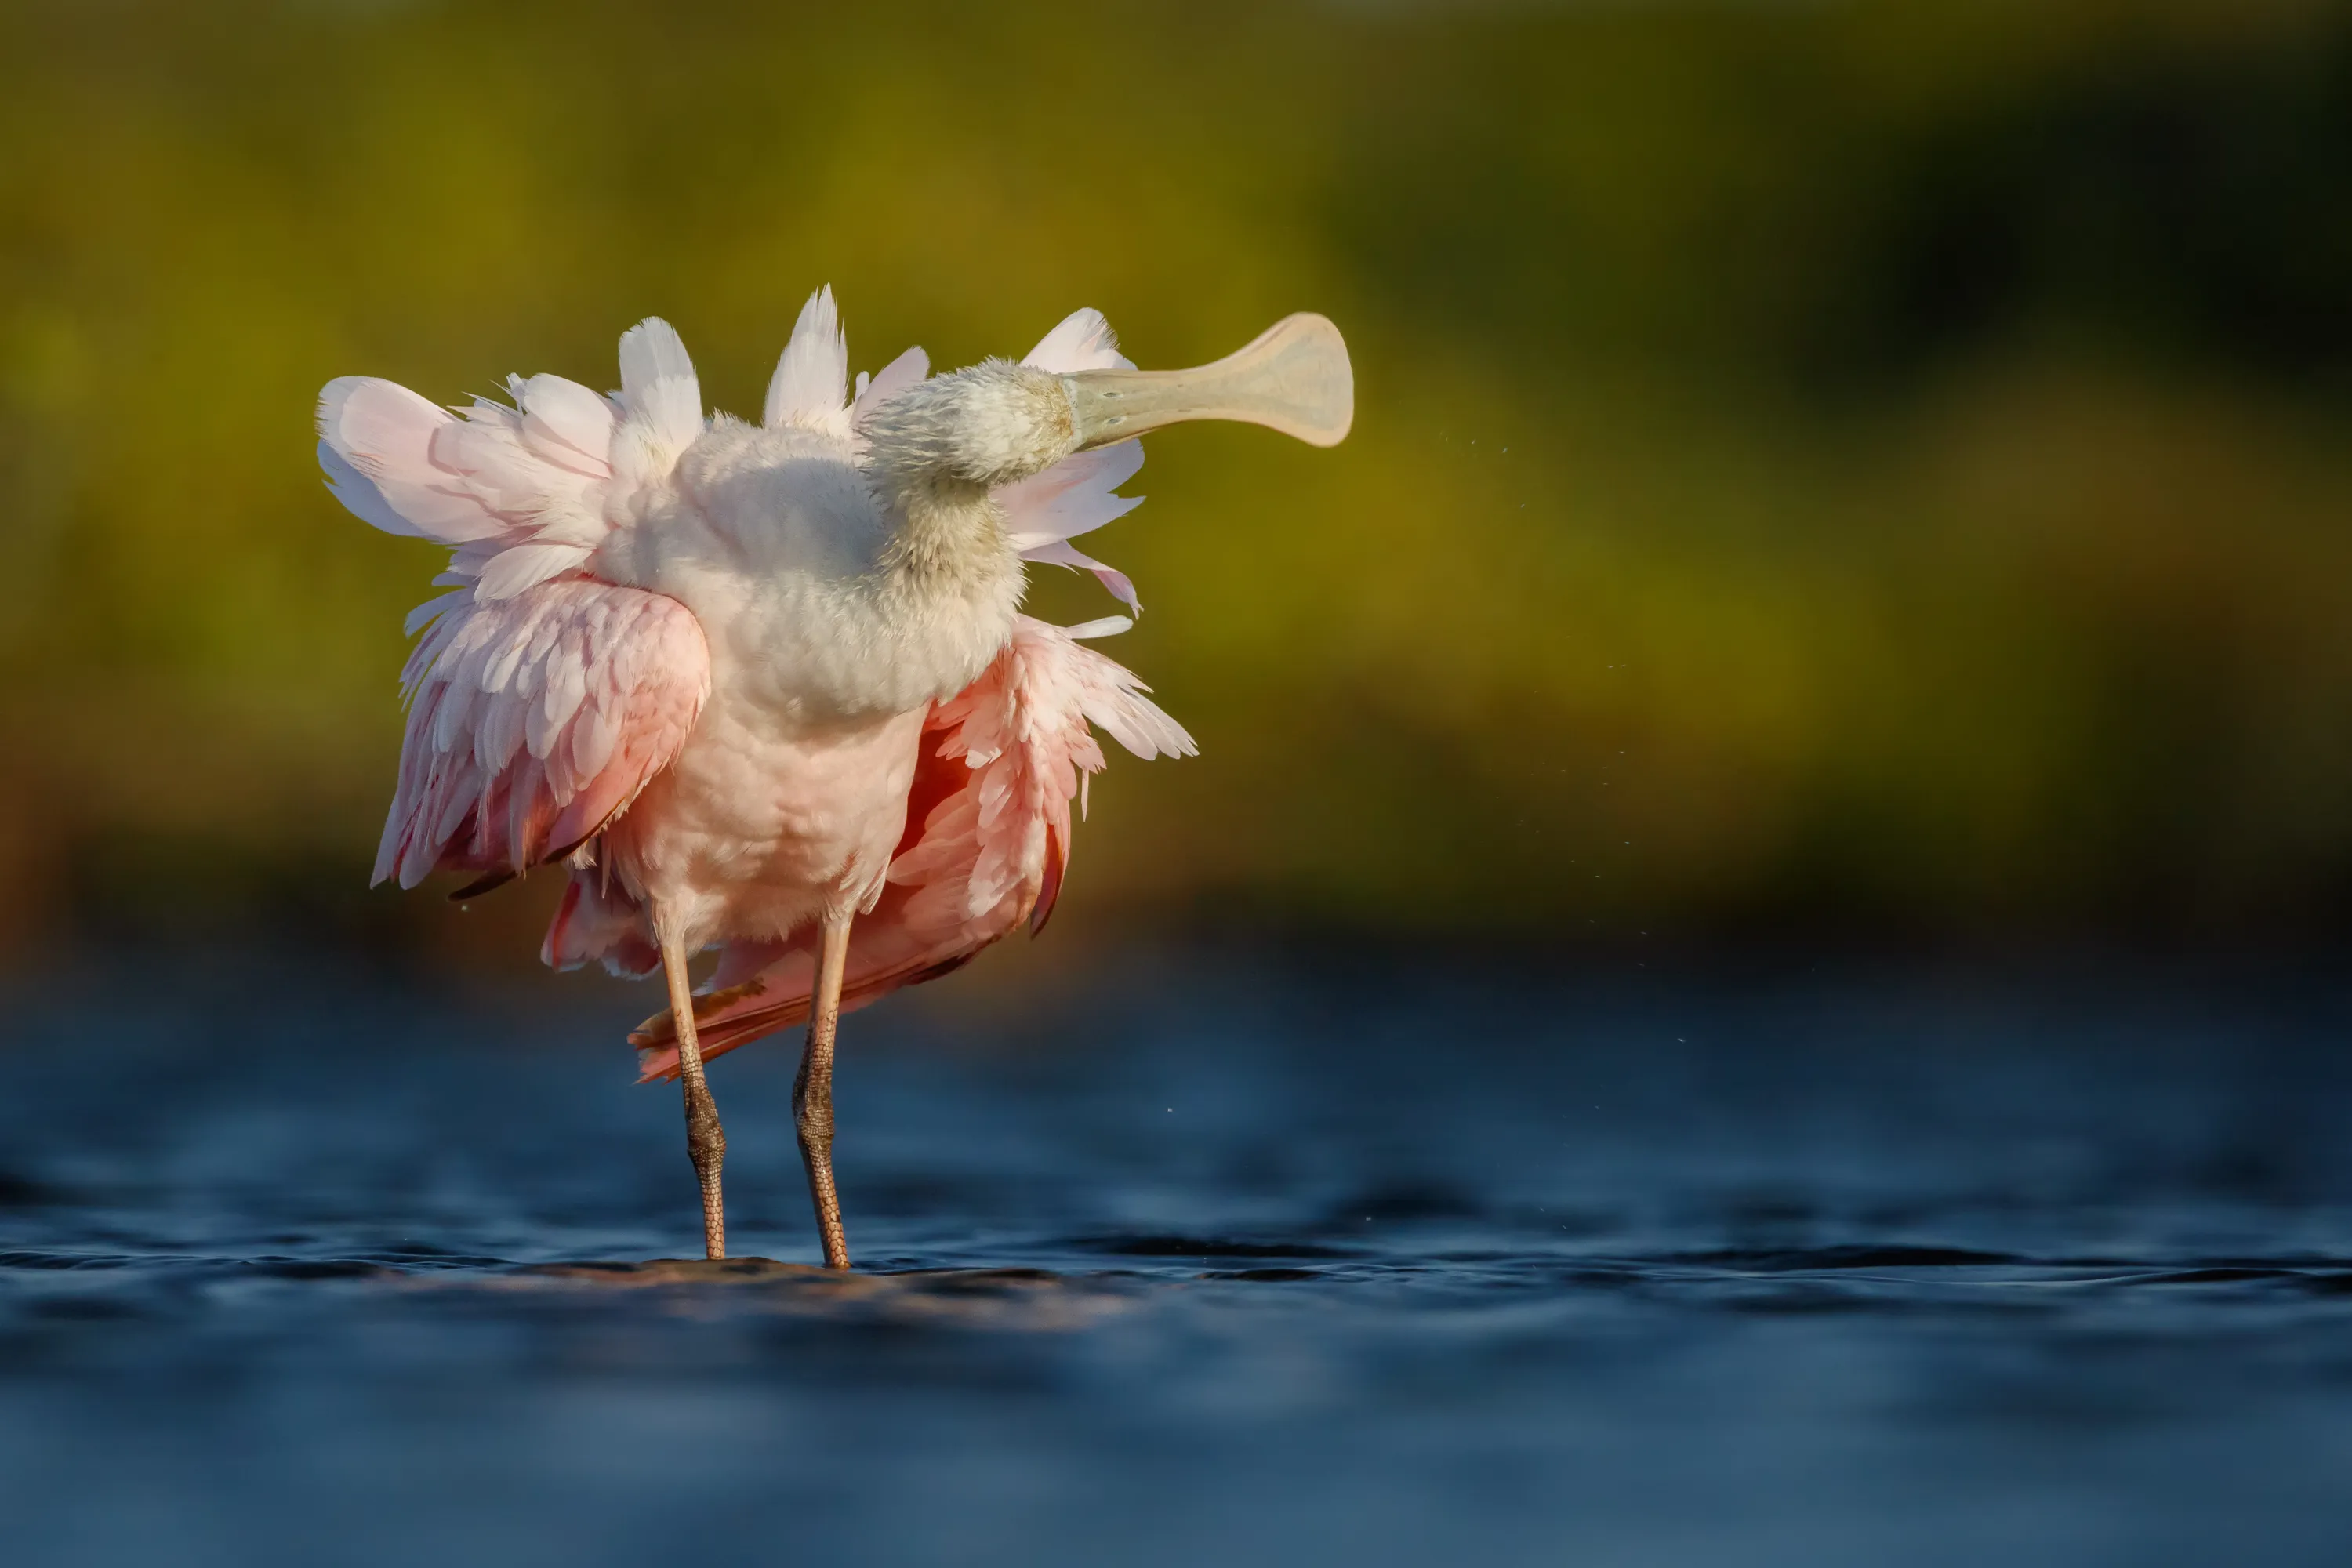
<point>540,700</point>
<point>988,837</point>
<point>535,721</point>
<point>1075,496</point>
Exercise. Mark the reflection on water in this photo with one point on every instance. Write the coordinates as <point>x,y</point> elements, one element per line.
<point>1258,1265</point>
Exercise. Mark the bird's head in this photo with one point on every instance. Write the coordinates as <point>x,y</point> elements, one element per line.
<point>996,423</point>
<point>984,465</point>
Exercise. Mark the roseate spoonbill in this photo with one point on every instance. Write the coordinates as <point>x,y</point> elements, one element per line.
<point>767,687</point>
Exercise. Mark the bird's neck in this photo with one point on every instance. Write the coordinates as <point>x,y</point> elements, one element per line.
<point>950,540</point>
<point>948,584</point>
<point>950,576</point>
<point>936,451</point>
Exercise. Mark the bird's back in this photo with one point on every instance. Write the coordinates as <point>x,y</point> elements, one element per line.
<point>777,541</point>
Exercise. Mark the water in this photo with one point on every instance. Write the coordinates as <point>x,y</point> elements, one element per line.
<point>1272,1262</point>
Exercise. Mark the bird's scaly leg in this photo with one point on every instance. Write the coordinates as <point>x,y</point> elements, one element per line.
<point>813,1090</point>
<point>706,1142</point>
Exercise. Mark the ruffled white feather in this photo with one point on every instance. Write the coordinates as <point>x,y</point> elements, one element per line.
<point>811,387</point>
<point>522,494</point>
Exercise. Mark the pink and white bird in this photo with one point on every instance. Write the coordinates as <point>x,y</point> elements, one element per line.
<point>767,687</point>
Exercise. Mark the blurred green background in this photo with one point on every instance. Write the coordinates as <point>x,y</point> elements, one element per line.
<point>1847,466</point>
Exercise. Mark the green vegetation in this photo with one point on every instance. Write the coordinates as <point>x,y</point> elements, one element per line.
<point>1856,462</point>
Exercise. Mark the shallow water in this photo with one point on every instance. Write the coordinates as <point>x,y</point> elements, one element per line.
<point>1253,1264</point>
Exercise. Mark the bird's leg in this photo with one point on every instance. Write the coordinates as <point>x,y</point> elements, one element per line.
<point>813,1090</point>
<point>706,1143</point>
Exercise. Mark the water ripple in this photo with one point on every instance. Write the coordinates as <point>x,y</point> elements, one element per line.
<point>1814,1276</point>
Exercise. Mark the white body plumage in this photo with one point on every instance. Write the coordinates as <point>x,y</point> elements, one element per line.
<point>789,797</point>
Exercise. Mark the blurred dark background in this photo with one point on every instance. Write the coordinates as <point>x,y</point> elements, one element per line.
<point>1839,468</point>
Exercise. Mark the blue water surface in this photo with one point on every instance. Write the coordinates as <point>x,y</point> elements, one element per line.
<point>1207,1259</point>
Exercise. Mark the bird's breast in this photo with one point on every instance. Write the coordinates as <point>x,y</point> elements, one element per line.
<point>757,828</point>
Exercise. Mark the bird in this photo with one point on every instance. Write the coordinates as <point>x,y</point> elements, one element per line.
<point>767,688</point>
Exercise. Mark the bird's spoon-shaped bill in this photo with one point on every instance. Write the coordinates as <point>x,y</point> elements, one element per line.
<point>1294,378</point>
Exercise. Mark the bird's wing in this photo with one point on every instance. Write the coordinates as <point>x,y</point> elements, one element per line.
<point>1044,512</point>
<point>542,698</point>
<point>988,836</point>
<point>534,721</point>
<point>522,494</point>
